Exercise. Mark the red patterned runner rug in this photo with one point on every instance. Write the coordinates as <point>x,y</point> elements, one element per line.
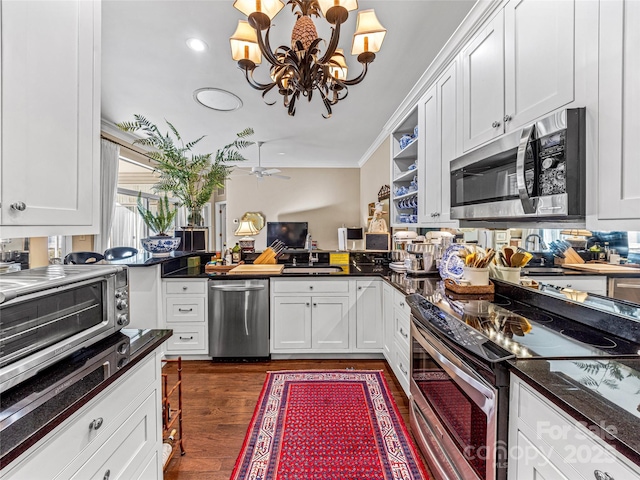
<point>327,425</point>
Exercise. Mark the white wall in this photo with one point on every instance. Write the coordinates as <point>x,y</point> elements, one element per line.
<point>327,198</point>
<point>374,174</point>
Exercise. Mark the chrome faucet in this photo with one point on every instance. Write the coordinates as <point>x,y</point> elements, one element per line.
<point>312,258</point>
<point>532,239</point>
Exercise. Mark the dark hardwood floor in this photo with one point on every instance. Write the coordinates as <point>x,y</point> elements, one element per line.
<point>218,402</point>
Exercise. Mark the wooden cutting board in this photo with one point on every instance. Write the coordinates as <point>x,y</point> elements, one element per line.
<point>601,268</point>
<point>257,269</point>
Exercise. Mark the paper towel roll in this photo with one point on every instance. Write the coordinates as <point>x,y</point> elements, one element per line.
<point>166,452</point>
<point>342,239</point>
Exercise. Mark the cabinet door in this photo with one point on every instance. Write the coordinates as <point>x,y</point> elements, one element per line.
<point>50,113</point>
<point>531,463</point>
<point>483,84</point>
<point>619,116</point>
<point>330,323</point>
<point>429,165</point>
<point>539,61</point>
<point>368,314</point>
<point>447,105</point>
<point>387,320</point>
<point>292,322</point>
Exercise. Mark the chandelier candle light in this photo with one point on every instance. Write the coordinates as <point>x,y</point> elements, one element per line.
<point>302,68</point>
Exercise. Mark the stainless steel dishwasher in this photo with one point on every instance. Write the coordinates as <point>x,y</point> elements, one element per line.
<point>239,319</point>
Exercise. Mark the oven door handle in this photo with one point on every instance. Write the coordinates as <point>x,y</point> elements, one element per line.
<point>528,203</point>
<point>481,394</point>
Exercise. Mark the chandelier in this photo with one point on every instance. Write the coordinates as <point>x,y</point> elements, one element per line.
<point>303,68</point>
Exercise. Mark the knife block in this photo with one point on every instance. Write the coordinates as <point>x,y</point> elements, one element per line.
<point>570,256</point>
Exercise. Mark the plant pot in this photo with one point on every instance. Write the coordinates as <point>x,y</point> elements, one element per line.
<point>160,246</point>
<point>195,218</point>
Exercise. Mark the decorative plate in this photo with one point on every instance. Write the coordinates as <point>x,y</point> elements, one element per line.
<point>451,265</point>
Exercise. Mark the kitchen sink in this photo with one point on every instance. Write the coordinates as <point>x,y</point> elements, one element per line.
<point>306,270</point>
<point>542,270</point>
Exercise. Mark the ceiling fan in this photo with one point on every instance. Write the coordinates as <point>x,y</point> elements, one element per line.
<point>260,172</point>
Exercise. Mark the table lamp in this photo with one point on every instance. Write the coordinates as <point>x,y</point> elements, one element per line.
<point>244,230</point>
<point>354,234</point>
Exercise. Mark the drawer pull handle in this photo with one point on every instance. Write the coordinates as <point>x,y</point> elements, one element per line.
<point>19,206</point>
<point>308,304</point>
<point>185,287</point>
<point>310,287</point>
<point>315,304</point>
<point>402,369</point>
<point>185,309</point>
<point>186,338</point>
<point>96,423</point>
<point>600,475</point>
<point>402,304</point>
<point>402,332</point>
<point>107,474</point>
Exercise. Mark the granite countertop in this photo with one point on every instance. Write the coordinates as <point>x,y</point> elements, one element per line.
<point>604,394</point>
<point>33,408</point>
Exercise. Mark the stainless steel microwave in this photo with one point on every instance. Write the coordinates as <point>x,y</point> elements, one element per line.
<point>49,313</point>
<point>536,174</point>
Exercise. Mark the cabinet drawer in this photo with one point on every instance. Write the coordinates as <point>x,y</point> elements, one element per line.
<point>186,309</point>
<point>67,443</point>
<point>311,286</point>
<point>401,327</point>
<point>401,365</point>
<point>184,286</point>
<point>125,451</point>
<point>187,338</point>
<point>399,302</point>
<point>576,447</point>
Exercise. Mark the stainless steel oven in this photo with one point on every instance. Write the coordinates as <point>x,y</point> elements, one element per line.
<point>456,412</point>
<point>48,313</point>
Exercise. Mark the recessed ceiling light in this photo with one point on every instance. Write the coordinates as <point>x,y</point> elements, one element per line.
<point>196,44</point>
<point>217,99</point>
<point>281,153</point>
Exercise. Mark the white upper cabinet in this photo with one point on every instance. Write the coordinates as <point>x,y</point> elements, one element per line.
<point>518,67</point>
<point>539,63</point>
<point>483,84</point>
<point>50,117</point>
<point>618,169</point>
<point>438,121</point>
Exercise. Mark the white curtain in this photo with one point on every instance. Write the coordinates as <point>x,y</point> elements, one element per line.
<point>109,157</point>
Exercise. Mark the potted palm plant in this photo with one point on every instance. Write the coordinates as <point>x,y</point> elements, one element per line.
<point>160,222</point>
<point>188,176</point>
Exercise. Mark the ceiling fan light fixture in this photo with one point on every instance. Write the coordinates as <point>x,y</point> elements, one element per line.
<point>217,99</point>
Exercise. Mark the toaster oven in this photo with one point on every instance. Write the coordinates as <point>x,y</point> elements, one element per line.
<point>51,312</point>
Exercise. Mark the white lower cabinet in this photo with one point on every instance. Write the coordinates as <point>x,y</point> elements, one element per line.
<point>585,283</point>
<point>369,314</point>
<point>546,443</point>
<point>126,444</point>
<point>330,315</point>
<point>396,325</point>
<point>185,312</point>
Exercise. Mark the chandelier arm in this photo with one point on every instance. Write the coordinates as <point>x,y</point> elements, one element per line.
<point>265,47</point>
<point>333,44</point>
<point>359,78</point>
<point>255,84</point>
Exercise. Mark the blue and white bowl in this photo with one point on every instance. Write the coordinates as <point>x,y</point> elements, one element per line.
<point>452,265</point>
<point>160,246</point>
<point>405,140</point>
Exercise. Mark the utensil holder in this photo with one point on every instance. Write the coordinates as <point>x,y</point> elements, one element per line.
<point>476,276</point>
<point>508,274</point>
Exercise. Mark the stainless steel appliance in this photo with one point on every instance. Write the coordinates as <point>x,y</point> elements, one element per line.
<point>239,319</point>
<point>38,401</point>
<point>625,288</point>
<point>460,382</point>
<point>48,313</point>
<point>534,174</point>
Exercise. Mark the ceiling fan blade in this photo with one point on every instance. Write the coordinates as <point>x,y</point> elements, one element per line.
<point>271,171</point>
<point>284,177</point>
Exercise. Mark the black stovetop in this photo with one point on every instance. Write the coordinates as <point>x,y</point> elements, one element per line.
<point>505,328</point>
